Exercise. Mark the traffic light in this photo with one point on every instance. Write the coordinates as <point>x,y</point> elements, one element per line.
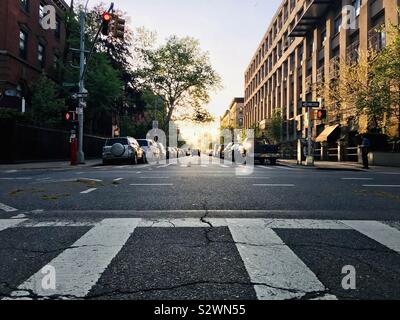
<point>321,114</point>
<point>119,28</point>
<point>106,20</point>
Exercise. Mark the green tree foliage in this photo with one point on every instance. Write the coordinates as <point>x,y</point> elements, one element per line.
<point>387,74</point>
<point>181,75</point>
<point>274,127</point>
<point>46,107</point>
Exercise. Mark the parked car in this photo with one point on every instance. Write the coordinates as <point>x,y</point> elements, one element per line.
<point>172,153</point>
<point>264,151</point>
<point>150,148</point>
<point>163,151</point>
<point>120,149</point>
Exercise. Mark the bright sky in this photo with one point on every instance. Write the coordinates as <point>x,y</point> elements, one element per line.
<point>230,30</point>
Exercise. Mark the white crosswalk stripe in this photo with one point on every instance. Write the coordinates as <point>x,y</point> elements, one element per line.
<point>276,272</point>
<point>80,267</point>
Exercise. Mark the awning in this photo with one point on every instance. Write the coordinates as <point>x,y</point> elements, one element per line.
<point>326,133</point>
<point>311,17</point>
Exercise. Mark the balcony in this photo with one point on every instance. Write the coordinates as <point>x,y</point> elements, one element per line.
<point>314,10</point>
<point>353,52</point>
<point>334,65</point>
<point>321,75</point>
<point>309,84</point>
<point>376,40</point>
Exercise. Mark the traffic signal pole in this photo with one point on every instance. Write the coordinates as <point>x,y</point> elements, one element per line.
<point>82,19</point>
<point>82,70</point>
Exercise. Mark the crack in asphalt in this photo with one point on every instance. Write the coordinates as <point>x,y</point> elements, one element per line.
<point>30,294</point>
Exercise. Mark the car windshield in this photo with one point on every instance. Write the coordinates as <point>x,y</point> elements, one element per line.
<point>111,142</point>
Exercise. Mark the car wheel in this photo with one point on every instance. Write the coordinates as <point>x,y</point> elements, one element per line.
<point>272,162</point>
<point>144,159</point>
<point>106,162</point>
<point>134,159</point>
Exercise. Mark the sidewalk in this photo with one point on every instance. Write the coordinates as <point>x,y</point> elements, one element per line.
<point>345,166</point>
<point>47,165</point>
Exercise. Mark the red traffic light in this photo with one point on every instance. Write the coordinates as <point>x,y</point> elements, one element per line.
<point>70,116</point>
<point>321,114</point>
<point>106,17</point>
<point>105,25</point>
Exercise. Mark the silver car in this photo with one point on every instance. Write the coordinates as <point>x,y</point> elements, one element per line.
<point>119,149</point>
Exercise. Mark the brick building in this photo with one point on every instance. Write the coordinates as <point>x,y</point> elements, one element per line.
<point>233,117</point>
<point>302,47</point>
<point>26,49</point>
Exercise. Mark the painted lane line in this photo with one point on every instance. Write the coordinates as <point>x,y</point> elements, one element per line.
<point>7,208</point>
<point>382,233</point>
<point>360,179</point>
<point>164,166</point>
<point>10,223</point>
<point>11,171</point>
<point>153,177</point>
<point>88,191</point>
<point>268,260</point>
<point>261,178</point>
<point>13,179</point>
<point>80,267</point>
<point>381,185</point>
<point>152,184</point>
<point>275,185</point>
<point>265,167</point>
<point>286,168</point>
<point>118,179</point>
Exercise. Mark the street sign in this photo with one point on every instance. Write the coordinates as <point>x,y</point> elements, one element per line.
<point>81,95</point>
<point>310,104</point>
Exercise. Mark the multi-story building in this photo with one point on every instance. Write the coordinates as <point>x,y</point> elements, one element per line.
<point>301,48</point>
<point>233,117</point>
<point>26,49</point>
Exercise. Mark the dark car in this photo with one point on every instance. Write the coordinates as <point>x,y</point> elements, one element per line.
<point>262,150</point>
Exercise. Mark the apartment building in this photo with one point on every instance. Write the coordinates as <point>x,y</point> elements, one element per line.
<point>234,117</point>
<point>26,49</point>
<point>303,47</point>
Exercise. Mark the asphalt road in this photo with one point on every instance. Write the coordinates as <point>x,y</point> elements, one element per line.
<point>200,229</point>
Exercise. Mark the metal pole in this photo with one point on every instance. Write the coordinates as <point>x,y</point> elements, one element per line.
<point>310,158</point>
<point>81,155</point>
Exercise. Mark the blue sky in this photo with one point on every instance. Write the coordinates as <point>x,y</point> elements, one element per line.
<point>229,29</point>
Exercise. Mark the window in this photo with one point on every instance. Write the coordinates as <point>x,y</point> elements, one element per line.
<point>24,5</point>
<point>56,60</point>
<point>41,54</point>
<point>357,6</point>
<point>57,32</point>
<point>338,25</point>
<point>323,37</point>
<point>41,11</point>
<point>23,44</point>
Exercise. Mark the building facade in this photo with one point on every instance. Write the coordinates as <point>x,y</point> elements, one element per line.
<point>233,118</point>
<point>302,49</point>
<point>26,49</point>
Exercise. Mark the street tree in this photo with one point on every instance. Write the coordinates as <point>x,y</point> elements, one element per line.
<point>46,106</point>
<point>180,73</point>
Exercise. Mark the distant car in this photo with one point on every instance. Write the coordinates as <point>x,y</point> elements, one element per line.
<point>215,151</point>
<point>196,153</point>
<point>263,150</point>
<point>150,148</point>
<point>232,150</point>
<point>123,149</point>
